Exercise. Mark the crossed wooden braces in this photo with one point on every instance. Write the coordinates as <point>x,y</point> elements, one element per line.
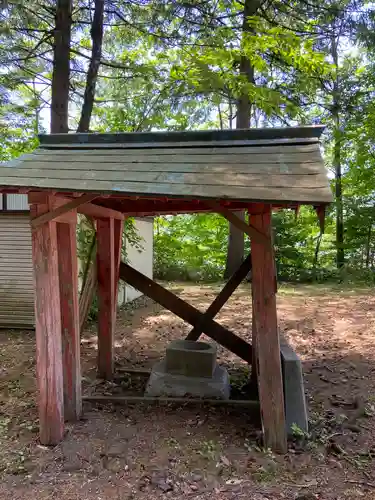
<point>53,223</point>
<point>202,322</point>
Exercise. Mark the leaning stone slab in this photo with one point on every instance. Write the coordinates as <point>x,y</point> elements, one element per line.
<point>294,393</point>
<point>161,383</point>
<point>190,358</point>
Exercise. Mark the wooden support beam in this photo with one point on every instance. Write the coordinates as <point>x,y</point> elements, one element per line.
<point>89,285</point>
<point>49,369</point>
<point>68,277</point>
<point>224,295</point>
<point>105,261</point>
<point>87,295</point>
<point>186,311</point>
<point>118,228</point>
<point>245,403</point>
<point>248,229</point>
<point>83,207</point>
<point>62,209</point>
<point>99,212</point>
<point>267,344</point>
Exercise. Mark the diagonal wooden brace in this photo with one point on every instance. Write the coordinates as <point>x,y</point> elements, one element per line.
<point>223,296</point>
<point>248,229</point>
<point>60,210</point>
<point>186,312</point>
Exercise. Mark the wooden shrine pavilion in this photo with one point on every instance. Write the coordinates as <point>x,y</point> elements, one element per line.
<point>111,176</point>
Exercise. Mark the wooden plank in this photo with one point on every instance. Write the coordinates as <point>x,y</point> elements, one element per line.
<point>224,295</point>
<point>246,194</point>
<point>270,383</point>
<point>248,229</point>
<point>48,330</point>
<point>181,144</point>
<point>43,197</point>
<point>87,295</point>
<point>254,365</point>
<point>48,216</point>
<point>311,162</point>
<point>89,209</point>
<point>68,276</point>
<point>99,212</point>
<point>229,178</point>
<point>186,161</point>
<point>118,228</point>
<point>165,400</point>
<point>198,167</point>
<point>186,311</point>
<point>105,262</point>
<point>182,151</point>
<point>187,136</point>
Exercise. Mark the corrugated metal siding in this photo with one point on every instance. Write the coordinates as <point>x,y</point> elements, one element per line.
<point>17,202</point>
<point>16,272</point>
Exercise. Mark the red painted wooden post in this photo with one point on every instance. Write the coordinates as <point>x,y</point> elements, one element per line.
<point>68,273</point>
<point>105,255</point>
<point>48,329</point>
<point>117,237</point>
<point>267,345</point>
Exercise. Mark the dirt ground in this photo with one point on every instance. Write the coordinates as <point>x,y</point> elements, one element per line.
<point>139,452</point>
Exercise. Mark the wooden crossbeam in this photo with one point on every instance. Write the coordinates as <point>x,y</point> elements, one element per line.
<point>186,312</point>
<point>67,207</point>
<point>99,212</point>
<point>223,296</point>
<point>239,223</point>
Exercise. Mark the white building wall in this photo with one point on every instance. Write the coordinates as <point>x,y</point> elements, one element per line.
<point>140,259</point>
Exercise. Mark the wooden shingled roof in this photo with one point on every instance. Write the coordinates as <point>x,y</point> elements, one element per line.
<point>274,165</point>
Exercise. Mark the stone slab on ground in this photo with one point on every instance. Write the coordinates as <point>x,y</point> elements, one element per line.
<point>294,392</point>
<point>162,383</point>
<point>191,358</point>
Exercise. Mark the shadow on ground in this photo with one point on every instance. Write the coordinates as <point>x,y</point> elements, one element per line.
<point>139,452</point>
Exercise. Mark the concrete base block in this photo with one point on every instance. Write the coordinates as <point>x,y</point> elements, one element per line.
<point>190,358</point>
<point>162,383</point>
<point>294,393</point>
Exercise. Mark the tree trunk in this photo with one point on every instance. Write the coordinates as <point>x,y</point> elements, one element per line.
<point>316,254</point>
<point>61,68</point>
<point>92,73</point>
<point>340,253</point>
<point>89,284</point>
<point>340,257</point>
<point>368,246</point>
<point>235,253</point>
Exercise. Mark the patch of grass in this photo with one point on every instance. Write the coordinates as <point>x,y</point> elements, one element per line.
<point>266,473</point>
<point>318,289</point>
<point>209,450</point>
<point>4,424</point>
<point>172,443</point>
<point>14,463</point>
<point>240,379</point>
<point>298,433</point>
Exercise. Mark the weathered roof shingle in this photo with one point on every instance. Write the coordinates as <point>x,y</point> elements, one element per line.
<point>279,165</point>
